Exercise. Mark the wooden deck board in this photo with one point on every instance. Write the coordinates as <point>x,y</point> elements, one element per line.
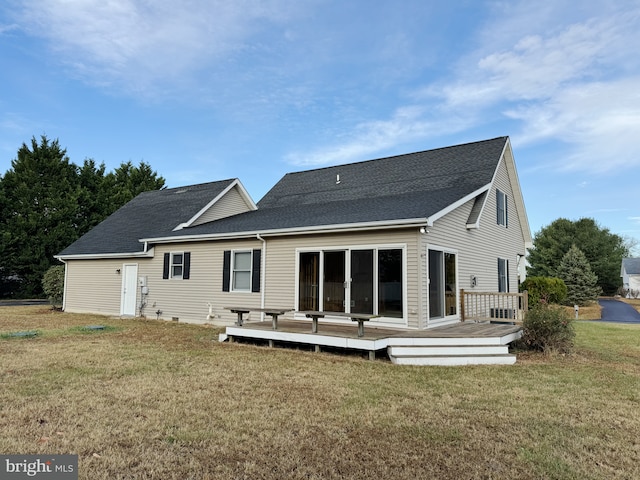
<point>326,329</point>
<point>458,330</point>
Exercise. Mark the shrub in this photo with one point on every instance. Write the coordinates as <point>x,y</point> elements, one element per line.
<point>546,289</point>
<point>548,328</point>
<point>53,284</point>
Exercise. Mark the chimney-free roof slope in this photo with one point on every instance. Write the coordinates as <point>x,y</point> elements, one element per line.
<point>631,266</point>
<point>386,191</point>
<point>411,186</point>
<point>150,213</point>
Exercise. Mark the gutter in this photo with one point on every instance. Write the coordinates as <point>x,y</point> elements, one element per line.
<point>349,227</point>
<point>147,253</point>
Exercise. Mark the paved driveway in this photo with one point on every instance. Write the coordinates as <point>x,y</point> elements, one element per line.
<point>616,311</point>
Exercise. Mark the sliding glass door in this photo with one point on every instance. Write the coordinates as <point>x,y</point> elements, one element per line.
<point>309,284</point>
<point>443,286</point>
<point>362,279</point>
<point>333,283</point>
<point>359,280</point>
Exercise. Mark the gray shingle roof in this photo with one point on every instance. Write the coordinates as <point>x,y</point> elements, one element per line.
<point>631,265</point>
<point>412,186</point>
<point>151,213</point>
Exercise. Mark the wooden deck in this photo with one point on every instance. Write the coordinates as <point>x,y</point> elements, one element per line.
<point>456,344</point>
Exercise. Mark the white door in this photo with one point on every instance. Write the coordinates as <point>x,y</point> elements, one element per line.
<point>129,290</point>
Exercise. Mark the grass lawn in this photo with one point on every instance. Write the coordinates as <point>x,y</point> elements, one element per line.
<point>162,400</point>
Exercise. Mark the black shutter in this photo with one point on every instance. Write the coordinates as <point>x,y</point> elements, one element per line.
<point>506,213</point>
<point>187,265</point>
<point>507,267</point>
<point>226,270</point>
<point>165,268</point>
<point>255,275</point>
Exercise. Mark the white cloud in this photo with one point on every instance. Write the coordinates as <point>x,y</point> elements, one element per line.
<point>370,138</point>
<point>571,81</point>
<point>8,28</point>
<point>138,45</point>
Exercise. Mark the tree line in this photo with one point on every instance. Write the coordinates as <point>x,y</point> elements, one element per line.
<point>583,254</point>
<point>47,202</point>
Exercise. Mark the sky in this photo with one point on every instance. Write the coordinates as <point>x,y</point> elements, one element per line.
<point>206,90</point>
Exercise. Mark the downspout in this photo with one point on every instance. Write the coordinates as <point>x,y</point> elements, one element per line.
<point>64,289</point>
<point>263,269</point>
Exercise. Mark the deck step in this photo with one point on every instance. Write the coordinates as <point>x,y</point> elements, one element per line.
<point>448,350</point>
<point>454,360</point>
<point>418,341</point>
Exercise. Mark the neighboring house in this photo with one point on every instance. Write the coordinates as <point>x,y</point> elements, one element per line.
<point>397,237</point>
<point>630,273</point>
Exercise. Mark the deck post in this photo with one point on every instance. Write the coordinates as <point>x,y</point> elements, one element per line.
<point>462,304</point>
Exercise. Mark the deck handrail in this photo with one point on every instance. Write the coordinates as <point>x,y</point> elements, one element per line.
<point>493,306</point>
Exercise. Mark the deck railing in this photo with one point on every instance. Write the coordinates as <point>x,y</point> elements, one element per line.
<point>493,306</point>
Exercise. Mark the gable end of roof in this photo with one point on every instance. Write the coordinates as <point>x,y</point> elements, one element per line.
<point>237,201</point>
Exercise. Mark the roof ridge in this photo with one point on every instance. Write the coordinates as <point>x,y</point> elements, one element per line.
<point>183,187</point>
<point>328,167</point>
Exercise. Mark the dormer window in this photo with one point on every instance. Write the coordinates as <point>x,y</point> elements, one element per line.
<point>501,202</point>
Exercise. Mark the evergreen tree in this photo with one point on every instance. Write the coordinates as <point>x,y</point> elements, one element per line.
<point>40,194</point>
<point>581,282</point>
<point>604,250</point>
<point>47,202</point>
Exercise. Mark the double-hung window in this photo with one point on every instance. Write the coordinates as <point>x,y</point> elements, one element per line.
<point>502,212</point>
<point>177,265</point>
<point>241,270</point>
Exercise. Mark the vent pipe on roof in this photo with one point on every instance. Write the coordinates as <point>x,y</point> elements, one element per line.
<point>338,179</point>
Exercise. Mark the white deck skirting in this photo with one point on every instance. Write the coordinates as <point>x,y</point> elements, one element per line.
<point>459,344</point>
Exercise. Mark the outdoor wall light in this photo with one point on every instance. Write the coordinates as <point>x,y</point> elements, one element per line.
<point>117,271</point>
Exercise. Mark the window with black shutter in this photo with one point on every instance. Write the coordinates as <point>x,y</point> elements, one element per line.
<point>176,265</point>
<point>241,270</point>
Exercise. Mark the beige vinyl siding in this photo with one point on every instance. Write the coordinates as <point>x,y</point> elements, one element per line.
<point>281,258</point>
<point>232,203</point>
<point>188,299</point>
<point>94,286</point>
<point>479,248</point>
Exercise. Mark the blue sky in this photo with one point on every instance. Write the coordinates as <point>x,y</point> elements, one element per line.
<point>205,90</point>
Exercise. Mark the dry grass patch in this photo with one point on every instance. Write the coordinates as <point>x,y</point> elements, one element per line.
<point>587,312</point>
<point>153,399</point>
